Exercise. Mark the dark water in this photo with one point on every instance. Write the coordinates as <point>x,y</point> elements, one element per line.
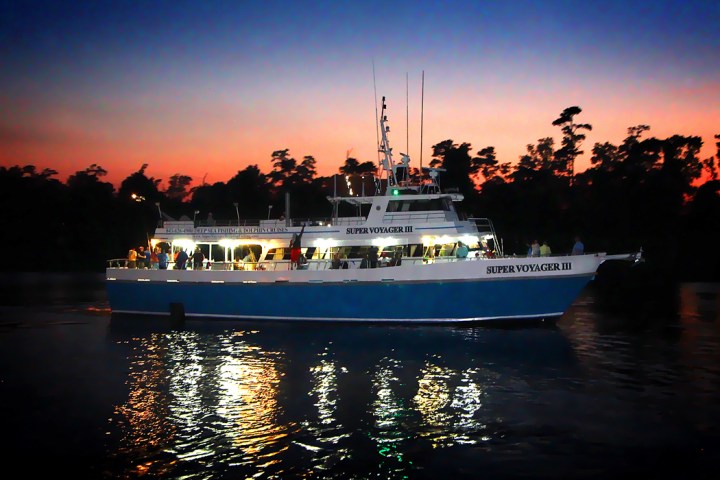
<point>598,395</point>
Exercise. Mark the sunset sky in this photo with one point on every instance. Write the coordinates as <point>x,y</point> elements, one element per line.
<point>205,88</point>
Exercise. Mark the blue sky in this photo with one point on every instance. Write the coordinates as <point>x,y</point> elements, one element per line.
<point>207,88</point>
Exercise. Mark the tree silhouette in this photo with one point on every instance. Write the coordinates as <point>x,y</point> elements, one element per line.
<point>649,192</point>
<point>461,169</point>
<point>284,167</point>
<point>357,173</point>
<point>491,170</point>
<point>93,227</point>
<point>570,149</point>
<point>34,212</point>
<point>297,180</point>
<point>249,188</point>
<point>178,187</point>
<point>537,166</point>
<point>353,167</point>
<point>139,184</point>
<point>710,165</point>
<point>215,199</point>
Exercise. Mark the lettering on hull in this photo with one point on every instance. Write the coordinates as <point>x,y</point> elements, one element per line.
<point>529,268</point>
<point>375,230</point>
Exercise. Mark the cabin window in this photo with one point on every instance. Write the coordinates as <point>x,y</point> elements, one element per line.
<point>278,254</point>
<point>217,253</point>
<point>420,205</point>
<point>444,250</point>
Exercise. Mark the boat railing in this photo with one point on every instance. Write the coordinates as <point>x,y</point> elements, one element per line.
<point>314,222</point>
<point>275,222</point>
<point>117,263</point>
<point>485,226</point>
<point>284,265</point>
<point>349,220</point>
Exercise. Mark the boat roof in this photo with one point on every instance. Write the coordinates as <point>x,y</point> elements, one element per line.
<point>368,200</point>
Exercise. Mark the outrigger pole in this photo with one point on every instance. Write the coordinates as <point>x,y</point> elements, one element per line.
<point>422,103</point>
<point>376,180</point>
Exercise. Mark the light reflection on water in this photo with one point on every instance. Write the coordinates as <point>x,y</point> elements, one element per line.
<point>600,394</point>
<point>237,399</point>
<point>355,401</point>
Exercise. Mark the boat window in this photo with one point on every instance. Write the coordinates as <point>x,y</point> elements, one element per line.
<point>415,250</point>
<point>420,205</point>
<point>319,253</point>
<point>217,253</point>
<point>444,250</point>
<point>278,254</point>
<point>344,252</point>
<point>241,251</point>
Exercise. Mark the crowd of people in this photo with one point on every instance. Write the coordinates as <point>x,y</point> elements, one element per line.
<point>537,249</point>
<point>150,258</point>
<point>156,258</point>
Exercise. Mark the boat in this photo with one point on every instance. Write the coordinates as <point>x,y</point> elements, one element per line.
<point>404,254</point>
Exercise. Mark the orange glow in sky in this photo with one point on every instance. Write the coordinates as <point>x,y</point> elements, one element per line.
<point>207,102</point>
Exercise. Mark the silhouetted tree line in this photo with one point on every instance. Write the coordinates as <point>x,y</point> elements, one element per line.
<point>645,192</point>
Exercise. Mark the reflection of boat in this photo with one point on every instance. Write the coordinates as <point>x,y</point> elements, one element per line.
<point>412,225</point>
<point>275,398</point>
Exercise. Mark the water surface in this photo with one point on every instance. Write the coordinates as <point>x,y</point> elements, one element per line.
<point>602,393</point>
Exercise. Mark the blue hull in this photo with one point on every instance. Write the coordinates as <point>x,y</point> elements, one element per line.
<point>451,301</point>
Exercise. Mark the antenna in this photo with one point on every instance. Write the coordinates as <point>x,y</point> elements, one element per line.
<point>422,104</point>
<point>377,119</point>
<point>407,116</point>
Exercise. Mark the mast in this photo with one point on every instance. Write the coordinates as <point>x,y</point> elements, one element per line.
<point>387,164</point>
<point>377,123</point>
<point>404,176</point>
<point>422,104</point>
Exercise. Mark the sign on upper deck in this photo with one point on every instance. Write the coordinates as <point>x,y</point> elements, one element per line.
<point>189,230</point>
<point>376,230</point>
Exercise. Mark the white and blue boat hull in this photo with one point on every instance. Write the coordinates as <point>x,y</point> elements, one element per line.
<point>470,291</point>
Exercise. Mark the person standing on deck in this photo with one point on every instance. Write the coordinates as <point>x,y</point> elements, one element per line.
<point>295,248</point>
<point>462,251</point>
<point>545,249</point>
<point>132,258</point>
<point>578,248</point>
<point>141,257</point>
<point>373,257</point>
<point>197,259</point>
<point>535,248</point>
<point>336,263</point>
<point>154,260</point>
<point>148,258</point>
<point>181,260</point>
<point>163,260</point>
